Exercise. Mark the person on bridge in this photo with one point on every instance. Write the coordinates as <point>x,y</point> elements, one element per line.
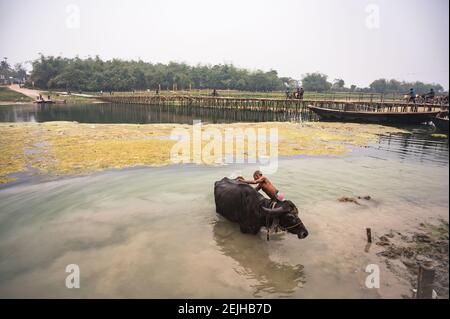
<point>288,93</point>
<point>300,94</point>
<point>430,95</point>
<point>412,96</point>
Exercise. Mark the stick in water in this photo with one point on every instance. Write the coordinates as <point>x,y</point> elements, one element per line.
<point>425,282</point>
<point>369,235</point>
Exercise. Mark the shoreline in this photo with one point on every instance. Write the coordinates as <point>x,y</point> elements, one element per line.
<point>12,103</point>
<point>33,94</point>
<point>58,102</point>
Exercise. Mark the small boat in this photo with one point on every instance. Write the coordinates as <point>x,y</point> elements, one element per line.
<point>373,116</point>
<point>44,102</point>
<point>441,121</point>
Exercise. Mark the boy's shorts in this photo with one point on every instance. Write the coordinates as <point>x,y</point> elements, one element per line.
<point>279,196</point>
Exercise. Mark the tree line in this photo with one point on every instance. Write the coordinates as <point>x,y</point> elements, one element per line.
<point>319,82</point>
<point>94,74</point>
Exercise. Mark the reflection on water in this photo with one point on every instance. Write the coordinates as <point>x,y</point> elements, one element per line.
<point>418,146</point>
<point>254,262</point>
<point>140,114</point>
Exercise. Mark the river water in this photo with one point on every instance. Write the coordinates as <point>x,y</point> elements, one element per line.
<point>138,114</point>
<point>153,232</point>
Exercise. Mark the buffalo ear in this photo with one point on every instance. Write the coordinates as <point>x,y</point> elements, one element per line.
<point>275,211</point>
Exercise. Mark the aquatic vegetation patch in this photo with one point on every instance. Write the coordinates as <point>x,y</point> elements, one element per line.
<point>14,141</point>
<point>439,135</point>
<point>73,148</point>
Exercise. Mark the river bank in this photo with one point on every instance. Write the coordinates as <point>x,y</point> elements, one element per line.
<point>8,97</point>
<point>427,245</point>
<point>14,94</point>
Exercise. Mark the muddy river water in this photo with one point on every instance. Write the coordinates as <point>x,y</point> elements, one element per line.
<point>153,232</point>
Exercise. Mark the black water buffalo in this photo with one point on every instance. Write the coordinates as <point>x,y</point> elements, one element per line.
<point>240,203</point>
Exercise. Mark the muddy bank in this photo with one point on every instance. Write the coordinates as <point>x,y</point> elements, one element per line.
<point>403,253</point>
<point>72,148</point>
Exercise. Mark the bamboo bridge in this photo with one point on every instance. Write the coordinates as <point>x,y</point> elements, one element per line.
<point>270,104</point>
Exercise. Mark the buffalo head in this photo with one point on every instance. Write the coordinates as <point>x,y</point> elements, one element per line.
<point>287,214</point>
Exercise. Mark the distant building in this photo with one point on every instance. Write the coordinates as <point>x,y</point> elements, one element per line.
<point>3,80</point>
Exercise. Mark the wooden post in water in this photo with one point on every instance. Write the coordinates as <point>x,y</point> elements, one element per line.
<point>369,235</point>
<point>425,282</point>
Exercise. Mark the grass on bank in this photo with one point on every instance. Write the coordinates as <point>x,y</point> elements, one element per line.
<point>72,98</point>
<point>7,95</point>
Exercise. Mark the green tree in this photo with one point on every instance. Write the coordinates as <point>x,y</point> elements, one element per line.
<point>19,71</point>
<point>5,69</point>
<point>379,86</point>
<point>316,82</point>
<point>338,85</point>
<point>46,68</point>
<point>395,86</point>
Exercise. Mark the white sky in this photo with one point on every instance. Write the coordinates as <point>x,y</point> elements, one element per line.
<point>409,42</point>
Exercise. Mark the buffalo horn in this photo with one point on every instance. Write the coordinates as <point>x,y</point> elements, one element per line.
<point>275,211</point>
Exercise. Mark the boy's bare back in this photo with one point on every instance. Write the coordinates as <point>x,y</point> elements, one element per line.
<point>263,183</point>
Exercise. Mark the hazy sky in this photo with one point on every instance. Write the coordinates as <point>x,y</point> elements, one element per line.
<point>356,40</point>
